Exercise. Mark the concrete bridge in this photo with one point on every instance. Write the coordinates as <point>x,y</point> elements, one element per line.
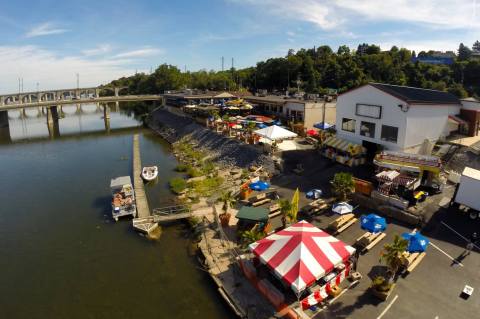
<point>52,108</point>
<point>57,95</point>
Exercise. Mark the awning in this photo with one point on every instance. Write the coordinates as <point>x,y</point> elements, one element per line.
<point>256,214</point>
<point>457,120</point>
<point>275,132</point>
<point>301,254</point>
<point>344,145</point>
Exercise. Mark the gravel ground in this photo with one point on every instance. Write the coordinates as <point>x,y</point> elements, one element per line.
<point>223,150</point>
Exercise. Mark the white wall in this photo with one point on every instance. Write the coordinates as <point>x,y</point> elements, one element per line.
<point>391,115</point>
<point>428,122</point>
<point>471,105</point>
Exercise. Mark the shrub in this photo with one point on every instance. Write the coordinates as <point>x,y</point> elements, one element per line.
<point>343,185</point>
<point>181,168</point>
<point>177,185</point>
<point>193,172</point>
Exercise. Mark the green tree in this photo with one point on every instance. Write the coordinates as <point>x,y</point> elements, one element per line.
<point>476,46</point>
<point>342,185</point>
<point>464,52</point>
<point>286,209</point>
<point>392,255</point>
<point>251,236</point>
<point>228,201</point>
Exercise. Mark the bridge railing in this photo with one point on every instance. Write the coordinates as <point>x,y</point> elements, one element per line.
<point>171,210</point>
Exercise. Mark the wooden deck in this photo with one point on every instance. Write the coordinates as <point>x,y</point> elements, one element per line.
<point>142,204</point>
<point>178,212</point>
<point>143,222</point>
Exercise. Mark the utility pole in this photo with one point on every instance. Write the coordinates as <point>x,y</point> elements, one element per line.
<point>19,89</point>
<point>224,80</point>
<point>323,112</point>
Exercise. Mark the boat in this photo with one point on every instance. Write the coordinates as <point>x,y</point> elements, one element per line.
<point>123,197</point>
<point>149,173</point>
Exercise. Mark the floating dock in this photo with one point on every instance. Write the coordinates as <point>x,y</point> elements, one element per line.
<point>143,221</point>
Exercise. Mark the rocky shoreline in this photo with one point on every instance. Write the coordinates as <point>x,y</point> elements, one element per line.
<point>224,151</point>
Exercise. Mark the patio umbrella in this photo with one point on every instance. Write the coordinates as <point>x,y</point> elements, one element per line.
<point>259,186</point>
<point>314,194</point>
<point>342,208</point>
<point>312,133</point>
<point>322,126</point>
<point>416,242</point>
<point>237,126</point>
<point>261,125</point>
<point>277,122</point>
<point>373,223</point>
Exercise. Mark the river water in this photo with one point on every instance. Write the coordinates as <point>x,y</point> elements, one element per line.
<point>61,255</point>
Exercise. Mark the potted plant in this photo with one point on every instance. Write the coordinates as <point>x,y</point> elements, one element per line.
<point>286,209</point>
<point>343,185</point>
<point>381,287</point>
<point>228,201</point>
<point>392,255</point>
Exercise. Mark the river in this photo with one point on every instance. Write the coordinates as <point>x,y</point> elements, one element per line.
<point>61,255</point>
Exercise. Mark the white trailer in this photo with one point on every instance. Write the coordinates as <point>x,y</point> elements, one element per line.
<point>467,195</point>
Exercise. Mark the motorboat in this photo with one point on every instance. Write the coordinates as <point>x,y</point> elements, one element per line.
<point>123,197</point>
<point>149,173</point>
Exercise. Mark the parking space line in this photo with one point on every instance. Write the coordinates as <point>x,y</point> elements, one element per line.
<point>387,307</point>
<point>456,232</point>
<point>451,258</point>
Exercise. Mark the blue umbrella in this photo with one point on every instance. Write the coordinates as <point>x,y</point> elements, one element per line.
<point>322,126</point>
<point>277,122</point>
<point>416,242</point>
<point>373,223</point>
<point>259,186</point>
<point>261,125</point>
<point>314,194</point>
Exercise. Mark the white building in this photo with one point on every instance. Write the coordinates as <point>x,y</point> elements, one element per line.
<point>399,118</point>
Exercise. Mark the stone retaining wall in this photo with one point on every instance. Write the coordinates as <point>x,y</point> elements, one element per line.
<point>222,149</point>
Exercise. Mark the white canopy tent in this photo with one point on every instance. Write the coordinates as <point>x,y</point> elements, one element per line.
<point>274,133</point>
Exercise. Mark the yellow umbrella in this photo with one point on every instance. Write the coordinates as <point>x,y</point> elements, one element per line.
<point>295,199</point>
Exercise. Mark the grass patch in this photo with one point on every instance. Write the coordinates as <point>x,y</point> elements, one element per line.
<point>193,172</point>
<point>208,186</point>
<point>177,185</point>
<point>181,168</point>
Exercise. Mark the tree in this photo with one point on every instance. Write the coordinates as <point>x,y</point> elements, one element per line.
<point>286,209</point>
<point>476,46</point>
<point>343,184</point>
<point>464,52</point>
<point>228,201</point>
<point>251,236</point>
<point>457,90</point>
<point>392,255</point>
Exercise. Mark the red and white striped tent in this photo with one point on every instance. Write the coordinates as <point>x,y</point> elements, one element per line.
<point>301,254</point>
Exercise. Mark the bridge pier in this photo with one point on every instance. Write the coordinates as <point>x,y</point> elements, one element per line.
<point>52,121</point>
<point>117,106</point>
<point>107,124</point>
<point>4,128</point>
<point>106,111</point>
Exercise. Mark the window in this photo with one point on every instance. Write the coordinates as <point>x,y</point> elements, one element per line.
<point>389,133</point>
<point>373,111</point>
<point>367,129</point>
<point>296,116</point>
<point>348,125</point>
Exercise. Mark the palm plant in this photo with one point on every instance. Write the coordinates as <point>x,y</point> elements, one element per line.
<point>228,201</point>
<point>251,236</point>
<point>286,209</point>
<point>392,255</point>
<point>343,184</point>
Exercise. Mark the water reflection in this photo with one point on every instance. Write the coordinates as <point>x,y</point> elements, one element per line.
<point>71,120</point>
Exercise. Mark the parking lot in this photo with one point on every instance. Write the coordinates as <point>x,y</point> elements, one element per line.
<point>432,289</point>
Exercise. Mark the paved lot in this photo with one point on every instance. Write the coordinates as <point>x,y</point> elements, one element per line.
<point>432,290</point>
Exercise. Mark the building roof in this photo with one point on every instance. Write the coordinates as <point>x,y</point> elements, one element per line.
<point>120,181</point>
<point>413,95</point>
<point>471,99</point>
<point>472,173</point>
<point>256,214</point>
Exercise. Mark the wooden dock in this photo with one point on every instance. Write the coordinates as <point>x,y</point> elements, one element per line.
<point>171,213</point>
<point>142,221</point>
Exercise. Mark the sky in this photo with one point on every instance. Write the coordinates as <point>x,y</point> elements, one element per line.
<point>48,42</point>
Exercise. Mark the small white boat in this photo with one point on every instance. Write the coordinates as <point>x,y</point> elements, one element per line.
<point>149,173</point>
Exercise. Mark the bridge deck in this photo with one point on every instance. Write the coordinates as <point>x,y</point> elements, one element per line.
<point>178,212</point>
<point>103,99</point>
<point>142,204</point>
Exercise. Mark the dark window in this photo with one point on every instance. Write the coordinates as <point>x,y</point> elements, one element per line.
<point>367,129</point>
<point>348,125</point>
<point>389,133</point>
<point>373,111</point>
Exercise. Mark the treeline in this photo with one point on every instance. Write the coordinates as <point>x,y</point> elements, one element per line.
<point>318,69</point>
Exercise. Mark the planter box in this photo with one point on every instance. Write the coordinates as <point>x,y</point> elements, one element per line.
<point>382,295</point>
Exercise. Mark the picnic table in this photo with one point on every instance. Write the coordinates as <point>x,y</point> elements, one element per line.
<point>411,260</point>
<point>342,223</point>
<point>317,206</point>
<point>368,240</point>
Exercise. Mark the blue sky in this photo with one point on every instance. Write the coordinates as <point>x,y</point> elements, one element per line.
<point>50,41</point>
